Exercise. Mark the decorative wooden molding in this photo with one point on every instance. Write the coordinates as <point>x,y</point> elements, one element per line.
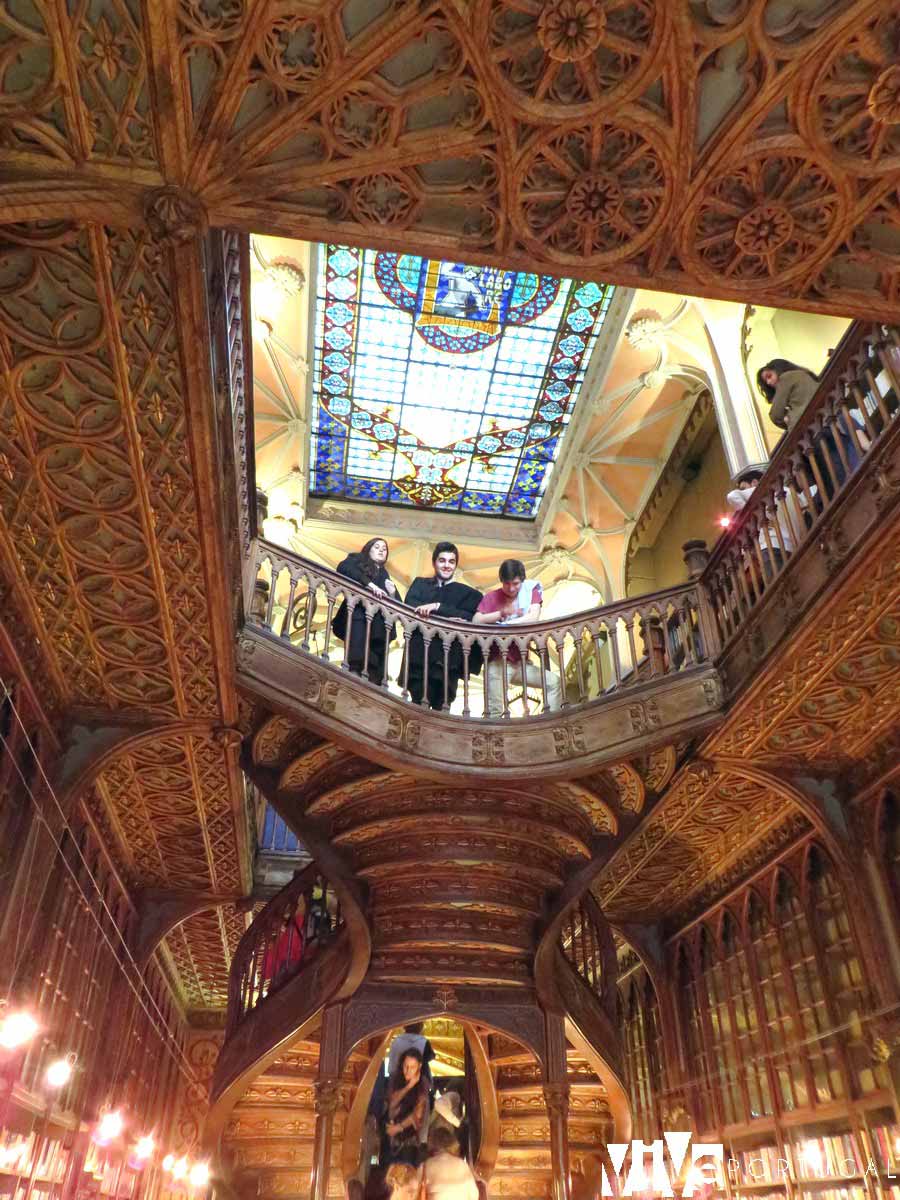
<point>343,707</point>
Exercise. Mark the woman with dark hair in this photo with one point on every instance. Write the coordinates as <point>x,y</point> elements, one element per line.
<point>367,569</point>
<point>789,390</point>
<point>406,1112</point>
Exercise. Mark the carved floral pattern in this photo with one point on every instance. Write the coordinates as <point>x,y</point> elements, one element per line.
<point>594,193</point>
<point>856,107</point>
<point>574,55</point>
<point>771,218</point>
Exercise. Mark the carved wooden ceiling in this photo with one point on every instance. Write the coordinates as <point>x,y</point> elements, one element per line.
<point>734,149</point>
<point>741,149</point>
<point>105,477</point>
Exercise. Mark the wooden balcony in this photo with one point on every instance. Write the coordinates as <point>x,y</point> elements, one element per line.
<point>634,674</point>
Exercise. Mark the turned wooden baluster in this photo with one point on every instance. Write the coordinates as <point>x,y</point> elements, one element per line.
<point>289,610</point>
<point>329,617</point>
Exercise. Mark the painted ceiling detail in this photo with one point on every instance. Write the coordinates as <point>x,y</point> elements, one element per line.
<point>445,385</point>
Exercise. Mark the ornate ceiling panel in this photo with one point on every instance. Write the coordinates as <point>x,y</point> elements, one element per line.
<point>171,806</point>
<point>742,150</point>
<point>201,949</point>
<point>836,691</point>
<point>104,549</point>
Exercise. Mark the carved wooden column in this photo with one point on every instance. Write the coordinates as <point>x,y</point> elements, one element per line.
<point>328,1094</point>
<point>556,1097</point>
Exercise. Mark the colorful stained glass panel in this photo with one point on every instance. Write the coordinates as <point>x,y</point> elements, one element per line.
<point>444,385</point>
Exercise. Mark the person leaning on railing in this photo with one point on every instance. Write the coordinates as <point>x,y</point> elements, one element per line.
<point>517,601</point>
<point>789,390</point>
<point>366,568</point>
<point>441,596</point>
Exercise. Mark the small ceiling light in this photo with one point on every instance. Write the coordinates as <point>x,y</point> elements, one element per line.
<point>180,1169</point>
<point>168,1163</point>
<point>725,522</point>
<point>199,1176</point>
<point>110,1126</point>
<point>17,1029</point>
<point>59,1073</point>
<point>144,1146</point>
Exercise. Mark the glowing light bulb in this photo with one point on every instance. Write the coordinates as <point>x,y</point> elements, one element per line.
<point>59,1073</point>
<point>16,1029</point>
<point>725,522</point>
<point>144,1147</point>
<point>199,1176</point>
<point>111,1125</point>
<point>180,1169</point>
<point>168,1163</point>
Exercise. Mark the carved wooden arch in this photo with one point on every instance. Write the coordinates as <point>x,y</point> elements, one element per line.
<point>490,1112</point>
<point>836,844</point>
<point>84,761</point>
<point>376,1009</point>
<point>657,970</point>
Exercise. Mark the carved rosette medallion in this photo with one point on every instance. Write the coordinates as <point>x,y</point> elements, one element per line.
<point>174,216</point>
<point>571,57</point>
<point>594,199</point>
<point>597,193</point>
<point>764,229</point>
<point>854,114</point>
<point>883,101</point>
<point>769,218</point>
<point>570,30</point>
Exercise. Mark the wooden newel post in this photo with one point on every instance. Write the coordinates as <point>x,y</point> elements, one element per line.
<point>556,1097</point>
<point>696,556</point>
<point>328,1096</point>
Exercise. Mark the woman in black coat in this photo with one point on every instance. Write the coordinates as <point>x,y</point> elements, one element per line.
<point>367,569</point>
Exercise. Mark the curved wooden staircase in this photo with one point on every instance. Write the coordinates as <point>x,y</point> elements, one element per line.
<point>267,1144</point>
<point>523,1166</point>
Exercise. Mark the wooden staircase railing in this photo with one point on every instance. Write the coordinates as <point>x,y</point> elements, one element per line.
<point>286,936</point>
<point>602,651</point>
<point>854,413</point>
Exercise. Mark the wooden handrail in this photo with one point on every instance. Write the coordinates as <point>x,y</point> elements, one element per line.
<point>280,942</point>
<point>854,409</point>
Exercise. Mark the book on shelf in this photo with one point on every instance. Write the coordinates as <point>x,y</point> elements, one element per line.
<point>886,1143</point>
<point>837,1156</point>
<point>849,1191</point>
<point>762,1165</point>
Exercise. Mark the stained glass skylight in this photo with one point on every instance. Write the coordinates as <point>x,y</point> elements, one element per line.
<point>444,385</point>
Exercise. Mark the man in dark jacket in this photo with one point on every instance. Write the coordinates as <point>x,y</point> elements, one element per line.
<point>440,596</point>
